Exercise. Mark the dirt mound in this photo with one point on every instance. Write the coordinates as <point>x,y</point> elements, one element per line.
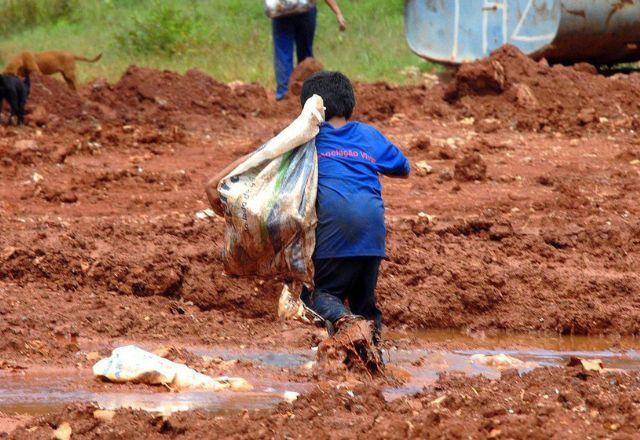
<point>303,71</point>
<point>151,94</point>
<point>57,100</point>
<point>519,91</point>
<point>381,101</point>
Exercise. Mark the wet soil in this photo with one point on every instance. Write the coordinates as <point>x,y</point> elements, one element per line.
<point>527,222</point>
<point>544,403</point>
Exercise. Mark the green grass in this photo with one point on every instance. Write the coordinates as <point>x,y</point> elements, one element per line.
<point>17,15</point>
<point>229,39</point>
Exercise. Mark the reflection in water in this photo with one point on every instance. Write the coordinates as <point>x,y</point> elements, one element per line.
<point>39,393</point>
<point>425,365</point>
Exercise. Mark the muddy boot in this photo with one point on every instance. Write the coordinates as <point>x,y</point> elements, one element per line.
<point>352,344</point>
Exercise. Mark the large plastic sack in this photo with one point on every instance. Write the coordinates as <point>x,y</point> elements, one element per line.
<point>281,8</point>
<point>133,364</point>
<point>269,200</point>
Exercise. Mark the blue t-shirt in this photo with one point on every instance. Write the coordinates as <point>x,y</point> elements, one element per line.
<point>350,208</point>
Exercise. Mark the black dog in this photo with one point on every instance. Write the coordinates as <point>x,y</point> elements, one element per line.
<point>16,92</point>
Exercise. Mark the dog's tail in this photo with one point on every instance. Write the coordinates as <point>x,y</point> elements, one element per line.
<point>27,82</point>
<point>88,60</point>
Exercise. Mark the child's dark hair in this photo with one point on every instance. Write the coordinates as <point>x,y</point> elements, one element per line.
<point>336,92</point>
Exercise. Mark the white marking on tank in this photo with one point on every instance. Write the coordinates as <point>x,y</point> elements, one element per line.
<point>485,20</point>
<point>456,31</point>
<point>532,38</point>
<point>491,6</point>
<point>505,23</point>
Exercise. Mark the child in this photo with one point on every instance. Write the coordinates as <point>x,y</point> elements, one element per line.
<point>350,236</point>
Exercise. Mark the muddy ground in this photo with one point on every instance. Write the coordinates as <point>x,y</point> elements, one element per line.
<point>546,403</point>
<point>533,187</point>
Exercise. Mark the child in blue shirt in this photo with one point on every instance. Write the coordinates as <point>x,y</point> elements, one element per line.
<point>351,234</point>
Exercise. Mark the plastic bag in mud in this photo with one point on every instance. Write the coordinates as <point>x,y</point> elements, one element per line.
<point>133,364</point>
<point>269,202</point>
<point>281,8</point>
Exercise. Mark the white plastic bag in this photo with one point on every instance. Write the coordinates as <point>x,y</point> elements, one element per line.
<point>269,201</point>
<point>133,364</point>
<point>281,8</point>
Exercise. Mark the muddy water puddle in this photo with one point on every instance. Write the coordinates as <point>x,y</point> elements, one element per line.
<point>267,358</point>
<point>425,365</point>
<point>40,392</point>
<point>533,351</point>
<point>37,392</point>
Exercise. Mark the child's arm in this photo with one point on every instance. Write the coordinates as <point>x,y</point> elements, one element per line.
<point>392,162</point>
<point>336,10</point>
<point>212,185</point>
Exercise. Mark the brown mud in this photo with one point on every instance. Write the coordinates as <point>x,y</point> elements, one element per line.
<point>350,350</point>
<point>527,221</point>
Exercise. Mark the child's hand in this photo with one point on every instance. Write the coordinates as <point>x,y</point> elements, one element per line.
<point>342,22</point>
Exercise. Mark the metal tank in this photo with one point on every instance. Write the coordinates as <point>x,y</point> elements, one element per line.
<point>564,31</point>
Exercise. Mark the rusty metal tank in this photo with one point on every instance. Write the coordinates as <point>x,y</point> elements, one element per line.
<point>564,31</point>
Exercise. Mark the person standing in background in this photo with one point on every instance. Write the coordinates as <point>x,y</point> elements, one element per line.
<point>294,23</point>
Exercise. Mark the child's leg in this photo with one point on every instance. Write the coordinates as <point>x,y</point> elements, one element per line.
<point>362,298</point>
<point>333,278</point>
<point>283,38</point>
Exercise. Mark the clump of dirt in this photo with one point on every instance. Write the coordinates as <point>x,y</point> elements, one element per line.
<point>629,155</point>
<point>304,70</point>
<point>471,167</point>
<point>56,194</point>
<point>519,91</point>
<point>422,142</point>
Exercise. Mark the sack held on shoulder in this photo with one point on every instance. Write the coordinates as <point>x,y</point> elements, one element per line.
<point>269,202</point>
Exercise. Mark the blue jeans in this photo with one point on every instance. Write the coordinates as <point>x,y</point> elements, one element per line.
<point>296,29</point>
<point>339,279</point>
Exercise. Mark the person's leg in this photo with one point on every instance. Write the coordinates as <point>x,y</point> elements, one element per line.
<point>305,30</point>
<point>333,279</point>
<point>362,297</point>
<point>283,39</point>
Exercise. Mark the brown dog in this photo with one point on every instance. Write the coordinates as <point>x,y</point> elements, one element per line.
<point>55,61</point>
